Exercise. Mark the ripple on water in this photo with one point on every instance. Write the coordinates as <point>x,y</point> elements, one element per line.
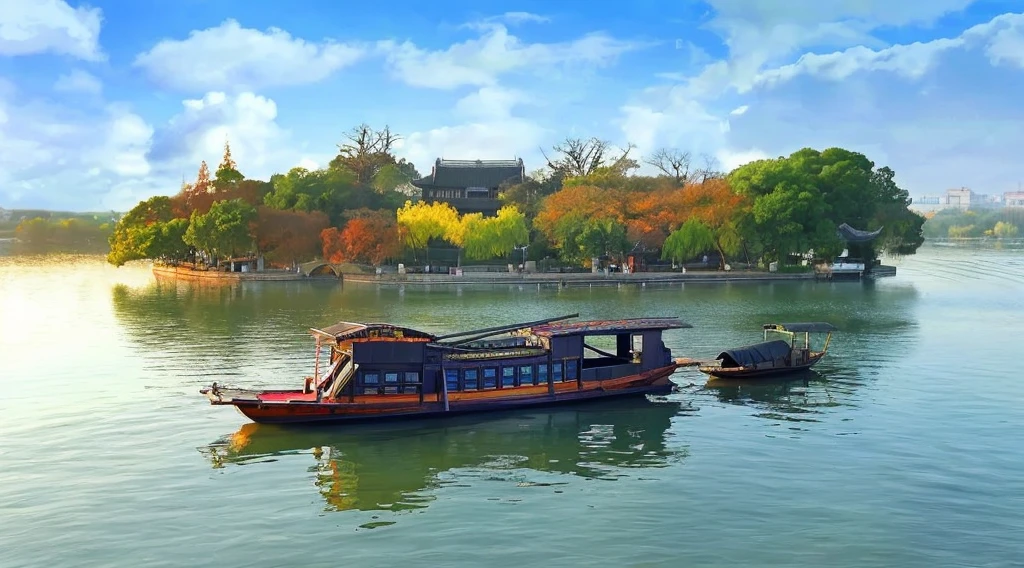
<point>899,450</point>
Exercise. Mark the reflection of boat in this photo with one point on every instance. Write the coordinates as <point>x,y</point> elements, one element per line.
<point>382,370</point>
<point>395,466</point>
<point>773,357</point>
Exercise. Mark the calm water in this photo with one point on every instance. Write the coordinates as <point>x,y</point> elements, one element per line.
<point>902,450</point>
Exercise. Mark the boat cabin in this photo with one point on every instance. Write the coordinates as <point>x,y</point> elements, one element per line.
<point>354,360</point>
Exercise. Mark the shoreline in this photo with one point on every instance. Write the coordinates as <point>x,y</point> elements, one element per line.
<point>575,279</point>
<point>541,279</point>
<point>186,273</point>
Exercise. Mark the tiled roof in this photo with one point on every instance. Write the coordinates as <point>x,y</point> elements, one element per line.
<point>472,173</point>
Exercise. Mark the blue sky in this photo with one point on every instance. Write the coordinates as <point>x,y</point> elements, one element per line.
<point>106,103</point>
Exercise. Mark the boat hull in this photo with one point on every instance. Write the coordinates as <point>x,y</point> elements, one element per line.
<point>747,373</point>
<point>298,411</point>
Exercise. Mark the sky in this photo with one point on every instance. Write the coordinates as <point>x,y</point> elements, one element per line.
<point>106,103</point>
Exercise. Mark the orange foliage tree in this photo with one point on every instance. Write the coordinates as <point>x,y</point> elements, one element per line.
<point>369,237</point>
<point>288,237</point>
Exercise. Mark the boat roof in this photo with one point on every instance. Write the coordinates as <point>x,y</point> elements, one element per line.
<point>750,355</point>
<point>604,327</point>
<point>346,330</point>
<point>801,327</point>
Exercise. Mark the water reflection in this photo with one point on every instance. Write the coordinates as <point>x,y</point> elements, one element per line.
<point>402,466</point>
<point>798,397</point>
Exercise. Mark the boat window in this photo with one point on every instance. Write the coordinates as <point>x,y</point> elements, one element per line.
<point>390,390</point>
<point>490,378</point>
<point>469,378</point>
<point>371,378</point>
<point>371,390</point>
<point>526,375</point>
<point>390,377</point>
<point>508,376</point>
<point>451,377</point>
<point>412,377</point>
<point>556,372</point>
<point>542,374</point>
<point>571,370</point>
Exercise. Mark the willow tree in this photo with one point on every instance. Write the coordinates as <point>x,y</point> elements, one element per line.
<point>422,222</point>
<point>688,241</point>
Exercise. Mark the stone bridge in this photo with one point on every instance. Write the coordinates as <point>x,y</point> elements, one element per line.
<point>320,268</point>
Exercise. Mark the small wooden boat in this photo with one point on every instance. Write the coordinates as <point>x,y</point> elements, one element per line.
<point>772,357</point>
<point>374,371</point>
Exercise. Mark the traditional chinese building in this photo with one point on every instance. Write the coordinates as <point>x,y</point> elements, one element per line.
<point>470,186</point>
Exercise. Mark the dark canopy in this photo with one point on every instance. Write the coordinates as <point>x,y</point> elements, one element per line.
<point>754,354</point>
<point>802,327</point>
<point>851,235</point>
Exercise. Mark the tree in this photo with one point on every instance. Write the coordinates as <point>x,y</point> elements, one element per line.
<point>134,232</point>
<point>425,221</point>
<point>195,191</point>
<point>673,163</point>
<point>1004,230</point>
<point>365,152</point>
<point>718,208</point>
<point>490,237</point>
<point>225,230</point>
<point>288,237</point>
<point>168,240</point>
<point>693,238</point>
<point>227,174</point>
<point>370,237</point>
<point>710,169</point>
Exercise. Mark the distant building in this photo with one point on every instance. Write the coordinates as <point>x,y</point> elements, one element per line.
<point>470,186</point>
<point>1013,199</point>
<point>5,215</point>
<point>962,198</point>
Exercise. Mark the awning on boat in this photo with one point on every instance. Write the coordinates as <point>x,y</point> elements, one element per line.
<point>343,331</point>
<point>754,354</point>
<point>604,327</point>
<point>802,327</point>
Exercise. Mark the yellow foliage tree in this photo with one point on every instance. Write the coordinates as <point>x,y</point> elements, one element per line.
<point>421,222</point>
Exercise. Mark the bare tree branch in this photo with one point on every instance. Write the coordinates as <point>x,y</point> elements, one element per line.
<point>672,162</point>
<point>578,157</point>
<point>710,169</point>
<point>366,151</point>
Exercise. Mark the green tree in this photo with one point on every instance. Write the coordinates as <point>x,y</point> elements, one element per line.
<point>688,241</point>
<point>227,174</point>
<point>225,230</point>
<point>135,231</point>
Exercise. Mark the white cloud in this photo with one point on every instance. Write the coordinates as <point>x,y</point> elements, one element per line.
<point>78,81</point>
<point>732,159</point>
<point>248,121</point>
<point>492,132</point>
<point>481,61</point>
<point>50,26</point>
<point>490,102</point>
<point>950,101</point>
<point>232,58</point>
<point>524,17</point>
<point>65,158</point>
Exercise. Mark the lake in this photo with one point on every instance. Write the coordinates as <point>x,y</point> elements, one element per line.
<point>898,451</point>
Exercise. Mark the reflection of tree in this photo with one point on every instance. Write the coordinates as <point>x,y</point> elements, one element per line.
<point>397,466</point>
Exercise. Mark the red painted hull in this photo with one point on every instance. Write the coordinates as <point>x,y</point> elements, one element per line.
<point>288,407</point>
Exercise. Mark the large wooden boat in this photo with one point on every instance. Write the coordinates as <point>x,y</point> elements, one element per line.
<point>773,357</point>
<point>373,371</point>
